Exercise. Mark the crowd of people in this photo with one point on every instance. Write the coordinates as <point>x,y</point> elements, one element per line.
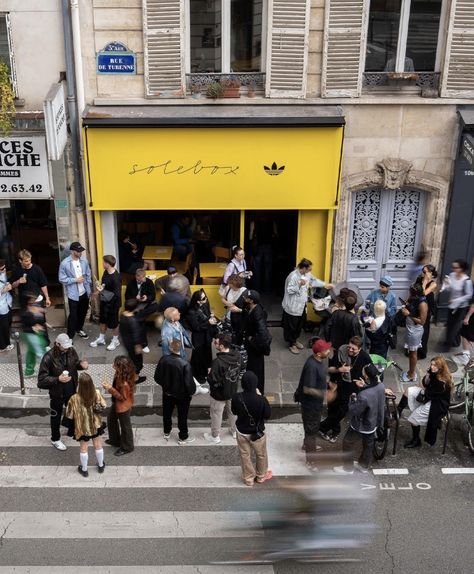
<point>228,354</point>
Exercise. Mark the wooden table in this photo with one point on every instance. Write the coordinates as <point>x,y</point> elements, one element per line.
<point>212,269</point>
<point>158,252</point>
<point>154,274</point>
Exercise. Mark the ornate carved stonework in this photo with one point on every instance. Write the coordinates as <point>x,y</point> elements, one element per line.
<point>395,173</point>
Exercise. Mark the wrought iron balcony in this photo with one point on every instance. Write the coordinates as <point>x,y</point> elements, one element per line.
<point>424,80</point>
<point>198,84</point>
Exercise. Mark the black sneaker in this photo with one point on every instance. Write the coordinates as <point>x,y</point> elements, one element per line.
<point>101,468</point>
<point>82,334</point>
<point>84,473</point>
<point>108,441</point>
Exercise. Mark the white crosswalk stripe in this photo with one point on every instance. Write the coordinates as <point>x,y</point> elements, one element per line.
<point>181,569</point>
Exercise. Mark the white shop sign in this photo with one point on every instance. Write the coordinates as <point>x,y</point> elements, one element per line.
<point>55,121</point>
<point>24,172</point>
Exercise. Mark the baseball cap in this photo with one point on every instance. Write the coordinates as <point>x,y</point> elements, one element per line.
<point>386,280</point>
<point>252,294</point>
<point>63,340</point>
<point>171,269</point>
<point>76,246</point>
<point>320,345</point>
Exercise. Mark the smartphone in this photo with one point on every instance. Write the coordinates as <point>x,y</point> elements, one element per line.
<point>402,301</point>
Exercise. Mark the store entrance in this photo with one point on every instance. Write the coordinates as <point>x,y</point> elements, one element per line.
<point>270,244</point>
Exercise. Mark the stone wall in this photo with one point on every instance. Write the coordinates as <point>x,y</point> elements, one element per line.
<point>316,29</point>
<point>425,136</point>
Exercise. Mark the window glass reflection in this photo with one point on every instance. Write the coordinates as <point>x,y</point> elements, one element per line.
<point>382,38</point>
<point>206,27</point>
<point>246,35</point>
<point>422,40</point>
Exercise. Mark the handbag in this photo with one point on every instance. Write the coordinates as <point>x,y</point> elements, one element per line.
<point>258,434</point>
<point>421,397</point>
<point>106,296</point>
<point>98,408</point>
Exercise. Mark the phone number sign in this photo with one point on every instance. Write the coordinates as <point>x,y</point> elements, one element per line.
<point>24,170</point>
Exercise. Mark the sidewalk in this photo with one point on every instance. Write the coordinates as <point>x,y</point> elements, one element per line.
<point>282,374</point>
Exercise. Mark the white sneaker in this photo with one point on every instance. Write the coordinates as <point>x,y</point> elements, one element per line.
<point>461,358</point>
<point>97,342</point>
<point>213,439</point>
<point>59,444</point>
<point>7,348</point>
<point>114,343</point>
<point>188,440</point>
<point>146,349</point>
<point>233,433</point>
<point>341,470</point>
<point>360,468</point>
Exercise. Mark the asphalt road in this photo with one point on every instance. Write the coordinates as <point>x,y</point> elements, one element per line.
<point>423,518</point>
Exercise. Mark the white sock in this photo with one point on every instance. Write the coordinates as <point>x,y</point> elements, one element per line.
<point>84,460</point>
<point>99,455</point>
<point>101,338</point>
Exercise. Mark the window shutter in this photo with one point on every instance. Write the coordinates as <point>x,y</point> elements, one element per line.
<point>163,27</point>
<point>458,73</point>
<point>287,58</point>
<point>344,44</point>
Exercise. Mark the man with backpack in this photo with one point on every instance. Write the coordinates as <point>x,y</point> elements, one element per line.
<point>223,379</point>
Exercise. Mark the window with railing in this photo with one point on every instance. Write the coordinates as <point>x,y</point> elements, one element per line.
<point>6,49</point>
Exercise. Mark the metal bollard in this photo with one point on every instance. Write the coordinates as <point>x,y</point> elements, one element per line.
<point>16,338</point>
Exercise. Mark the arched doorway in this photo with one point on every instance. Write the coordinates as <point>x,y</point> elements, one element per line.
<point>385,234</point>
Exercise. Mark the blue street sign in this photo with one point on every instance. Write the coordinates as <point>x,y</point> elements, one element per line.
<point>115,58</point>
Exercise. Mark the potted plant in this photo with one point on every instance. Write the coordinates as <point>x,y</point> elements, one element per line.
<point>231,88</point>
<point>215,90</point>
<point>195,91</point>
<point>7,101</point>
<point>251,88</point>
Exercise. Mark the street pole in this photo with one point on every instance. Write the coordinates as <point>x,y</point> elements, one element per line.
<point>16,338</point>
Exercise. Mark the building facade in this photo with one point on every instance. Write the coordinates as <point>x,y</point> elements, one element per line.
<point>390,74</point>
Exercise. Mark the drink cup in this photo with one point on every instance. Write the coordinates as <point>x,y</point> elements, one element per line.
<point>66,373</point>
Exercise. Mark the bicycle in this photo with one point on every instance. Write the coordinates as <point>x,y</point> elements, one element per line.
<point>391,417</point>
<point>463,395</point>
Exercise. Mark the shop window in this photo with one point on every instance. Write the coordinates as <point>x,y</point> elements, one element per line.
<point>225,36</point>
<point>6,49</point>
<point>403,41</point>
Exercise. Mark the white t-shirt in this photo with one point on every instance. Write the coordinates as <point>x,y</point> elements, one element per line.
<point>76,263</point>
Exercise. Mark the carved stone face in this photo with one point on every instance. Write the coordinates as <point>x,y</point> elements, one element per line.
<point>394,172</point>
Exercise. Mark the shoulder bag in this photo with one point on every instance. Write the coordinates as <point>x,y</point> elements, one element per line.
<point>258,434</point>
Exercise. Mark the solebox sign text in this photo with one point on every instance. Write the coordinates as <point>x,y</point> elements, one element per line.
<point>24,168</point>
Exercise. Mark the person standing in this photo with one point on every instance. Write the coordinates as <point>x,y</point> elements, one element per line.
<point>58,373</point>
<point>34,329</point>
<point>459,286</point>
<point>5,309</point>
<point>343,324</point>
<point>416,313</point>
<point>345,368</point>
<point>143,291</point>
<point>122,391</point>
<point>237,266</point>
<point>428,282</point>
<point>174,375</point>
<point>84,409</point>
<point>310,394</point>
<point>257,339</point>
<point>171,330</point>
<point>174,282</point>
<point>367,408</point>
<point>384,294</point>
<point>76,276</point>
<point>131,334</point>
<point>378,329</point>
<point>233,301</point>
<point>252,410</point>
<point>110,295</point>
<point>223,379</point>
<point>467,335</point>
<point>203,329</point>
<point>30,279</point>
<point>294,302</point>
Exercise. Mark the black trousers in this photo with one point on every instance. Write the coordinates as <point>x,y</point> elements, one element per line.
<point>169,403</point>
<point>141,315</point>
<point>136,358</point>
<point>311,421</point>
<point>337,410</point>
<point>56,415</point>
<point>120,429</point>
<point>351,438</point>
<point>5,325</point>
<point>77,315</point>
<point>454,325</point>
<point>256,364</point>
<point>292,327</point>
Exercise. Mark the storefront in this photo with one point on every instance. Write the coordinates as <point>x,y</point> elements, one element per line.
<point>222,161</point>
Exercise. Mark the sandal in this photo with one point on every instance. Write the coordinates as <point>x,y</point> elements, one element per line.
<point>268,476</point>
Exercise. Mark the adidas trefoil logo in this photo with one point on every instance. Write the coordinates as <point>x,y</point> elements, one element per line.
<point>274,170</point>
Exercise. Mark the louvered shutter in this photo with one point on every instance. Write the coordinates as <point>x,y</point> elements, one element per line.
<point>345,31</point>
<point>458,76</point>
<point>287,48</point>
<point>163,27</point>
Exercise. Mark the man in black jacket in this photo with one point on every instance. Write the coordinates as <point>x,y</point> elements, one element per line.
<point>223,379</point>
<point>257,339</point>
<point>252,410</point>
<point>343,324</point>
<point>143,291</point>
<point>175,377</point>
<point>58,373</point>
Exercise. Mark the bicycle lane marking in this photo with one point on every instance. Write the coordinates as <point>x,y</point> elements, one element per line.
<point>460,470</point>
<point>392,486</point>
<point>390,471</point>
